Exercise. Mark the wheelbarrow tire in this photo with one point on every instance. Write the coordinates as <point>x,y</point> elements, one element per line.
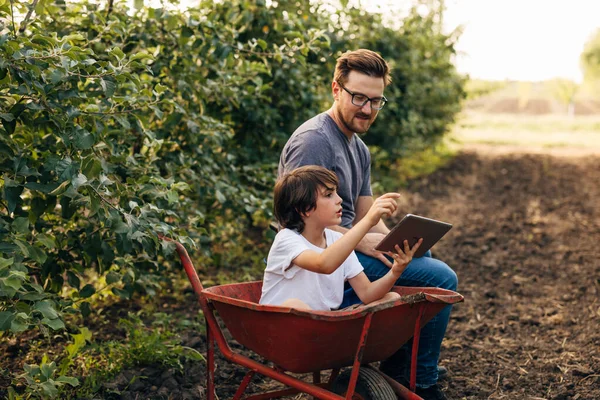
<point>370,385</point>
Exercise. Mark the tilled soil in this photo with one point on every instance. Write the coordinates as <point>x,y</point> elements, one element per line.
<point>525,248</point>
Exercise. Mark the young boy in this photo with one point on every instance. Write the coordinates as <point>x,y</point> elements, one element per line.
<point>308,263</point>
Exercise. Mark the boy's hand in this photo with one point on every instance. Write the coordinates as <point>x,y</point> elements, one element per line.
<point>402,258</point>
<point>382,206</point>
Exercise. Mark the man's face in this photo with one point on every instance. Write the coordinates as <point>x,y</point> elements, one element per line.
<point>357,119</point>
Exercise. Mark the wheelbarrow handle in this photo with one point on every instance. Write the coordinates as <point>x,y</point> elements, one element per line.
<point>190,270</point>
<point>444,298</point>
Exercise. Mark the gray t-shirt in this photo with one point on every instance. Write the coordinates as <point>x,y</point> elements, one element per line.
<point>319,141</point>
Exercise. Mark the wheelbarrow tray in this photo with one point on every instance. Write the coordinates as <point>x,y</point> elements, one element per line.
<point>306,341</point>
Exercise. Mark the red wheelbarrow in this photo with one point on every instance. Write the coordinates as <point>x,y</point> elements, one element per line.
<point>301,342</point>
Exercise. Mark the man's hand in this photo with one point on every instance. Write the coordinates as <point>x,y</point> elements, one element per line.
<point>367,246</point>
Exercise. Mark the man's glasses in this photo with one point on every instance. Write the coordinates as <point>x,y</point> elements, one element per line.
<point>360,100</point>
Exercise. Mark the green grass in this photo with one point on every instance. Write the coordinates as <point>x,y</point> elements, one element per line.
<point>528,130</point>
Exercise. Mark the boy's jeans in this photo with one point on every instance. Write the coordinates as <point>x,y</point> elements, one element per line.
<point>421,272</point>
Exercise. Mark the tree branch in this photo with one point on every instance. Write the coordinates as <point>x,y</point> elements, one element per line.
<point>28,16</point>
<point>109,8</point>
<point>12,16</point>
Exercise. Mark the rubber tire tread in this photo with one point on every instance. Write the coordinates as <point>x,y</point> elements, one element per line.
<point>370,385</point>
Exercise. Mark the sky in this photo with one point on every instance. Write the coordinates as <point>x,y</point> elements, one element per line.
<point>529,40</point>
<point>522,39</point>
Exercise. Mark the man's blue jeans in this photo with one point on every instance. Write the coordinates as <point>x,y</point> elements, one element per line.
<point>421,272</point>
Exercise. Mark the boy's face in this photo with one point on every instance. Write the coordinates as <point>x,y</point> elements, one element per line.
<point>328,210</point>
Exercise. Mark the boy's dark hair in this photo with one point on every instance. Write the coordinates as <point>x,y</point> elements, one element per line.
<point>296,193</point>
<point>364,61</point>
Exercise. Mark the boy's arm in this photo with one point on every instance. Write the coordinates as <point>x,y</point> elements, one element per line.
<point>335,254</point>
<point>368,291</point>
<point>376,233</point>
<point>363,204</point>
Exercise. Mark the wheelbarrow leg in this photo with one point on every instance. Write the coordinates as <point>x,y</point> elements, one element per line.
<point>415,350</point>
<point>316,380</point>
<point>210,363</point>
<point>334,374</point>
<point>358,357</point>
<point>243,385</point>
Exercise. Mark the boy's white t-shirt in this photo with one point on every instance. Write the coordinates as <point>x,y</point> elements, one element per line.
<point>284,280</point>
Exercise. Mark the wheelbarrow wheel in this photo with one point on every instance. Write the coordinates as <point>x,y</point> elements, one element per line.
<point>370,385</point>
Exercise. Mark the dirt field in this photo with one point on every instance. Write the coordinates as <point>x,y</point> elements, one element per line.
<point>525,248</point>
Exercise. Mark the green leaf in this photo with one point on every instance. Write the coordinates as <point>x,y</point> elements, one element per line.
<point>262,44</point>
<point>69,380</point>
<point>6,318</point>
<point>49,388</point>
<point>108,87</point>
<point>220,197</point>
<point>12,282</point>
<point>46,307</point>
<point>73,37</point>
<point>87,291</point>
<point>60,189</point>
<point>64,169</point>
<point>112,277</point>
<point>48,370</point>
<point>19,323</point>
<point>91,167</point>
<point>122,119</point>
<point>157,111</point>
<point>83,140</point>
<point>9,126</point>
<point>5,262</point>
<point>73,280</point>
<point>56,75</point>
<point>85,309</point>
<point>124,294</point>
<point>55,324</point>
<point>117,52</point>
<point>37,254</point>
<point>7,117</point>
<point>95,203</point>
<point>12,194</point>
<point>46,240</point>
<point>79,180</point>
<point>45,188</point>
<point>21,225</point>
<point>140,56</point>
<point>26,248</point>
<point>160,88</point>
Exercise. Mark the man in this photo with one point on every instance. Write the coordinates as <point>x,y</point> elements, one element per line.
<point>331,140</point>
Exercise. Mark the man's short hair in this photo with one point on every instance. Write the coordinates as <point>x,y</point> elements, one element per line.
<point>364,61</point>
<point>296,193</point>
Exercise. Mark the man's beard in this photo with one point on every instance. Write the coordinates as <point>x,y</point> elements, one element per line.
<point>353,128</point>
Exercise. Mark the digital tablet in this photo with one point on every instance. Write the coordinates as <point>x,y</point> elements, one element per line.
<point>412,228</point>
